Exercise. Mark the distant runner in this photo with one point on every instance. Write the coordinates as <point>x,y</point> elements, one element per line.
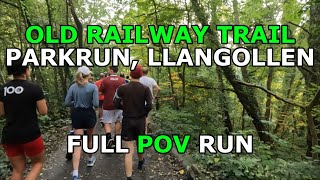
<point>20,100</point>
<point>152,85</point>
<point>101,96</point>
<point>83,97</point>
<point>136,102</point>
<point>111,114</point>
<point>126,78</point>
<point>122,75</point>
<point>91,80</point>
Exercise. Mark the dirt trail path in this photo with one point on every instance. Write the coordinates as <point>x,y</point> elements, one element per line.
<point>111,166</point>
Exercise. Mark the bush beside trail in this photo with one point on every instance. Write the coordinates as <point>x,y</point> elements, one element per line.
<point>267,161</point>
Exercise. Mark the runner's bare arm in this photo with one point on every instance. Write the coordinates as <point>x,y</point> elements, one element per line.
<point>117,98</point>
<point>148,99</point>
<point>157,90</point>
<point>1,109</point>
<point>100,93</point>
<point>69,99</point>
<point>95,98</point>
<point>42,107</point>
<point>101,88</point>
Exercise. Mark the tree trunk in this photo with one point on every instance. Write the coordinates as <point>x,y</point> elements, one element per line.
<point>224,104</point>
<point>313,131</point>
<point>49,12</point>
<point>313,76</point>
<point>184,65</point>
<point>285,108</point>
<point>78,23</point>
<point>314,41</point>
<point>24,11</point>
<point>176,102</point>
<point>249,102</point>
<point>243,119</point>
<point>68,76</point>
<point>268,103</point>
<point>245,94</point>
<point>183,85</point>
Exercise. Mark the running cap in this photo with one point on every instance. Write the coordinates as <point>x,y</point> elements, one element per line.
<point>137,72</point>
<point>84,70</point>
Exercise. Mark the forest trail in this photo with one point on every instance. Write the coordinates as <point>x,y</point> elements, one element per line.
<point>111,166</point>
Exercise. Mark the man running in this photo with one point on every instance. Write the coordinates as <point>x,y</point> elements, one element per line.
<point>122,75</point>
<point>111,115</point>
<point>20,100</point>
<point>152,85</point>
<point>136,102</point>
<point>101,96</point>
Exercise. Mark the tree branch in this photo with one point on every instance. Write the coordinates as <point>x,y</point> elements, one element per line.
<point>209,87</point>
<point>11,4</point>
<point>273,94</point>
<point>202,87</point>
<point>307,69</point>
<point>315,100</point>
<point>300,27</point>
<point>165,8</point>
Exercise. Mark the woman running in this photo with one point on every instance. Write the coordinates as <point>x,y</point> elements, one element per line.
<point>19,101</point>
<point>82,96</point>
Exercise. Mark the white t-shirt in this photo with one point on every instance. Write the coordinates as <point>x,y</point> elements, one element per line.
<point>149,82</point>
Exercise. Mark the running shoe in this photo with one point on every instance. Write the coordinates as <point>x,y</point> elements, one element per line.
<point>140,164</point>
<point>113,143</point>
<point>69,156</point>
<point>91,163</point>
<point>110,143</point>
<point>102,124</point>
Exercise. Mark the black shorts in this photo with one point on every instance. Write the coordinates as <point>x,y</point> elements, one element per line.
<point>100,103</point>
<point>83,118</point>
<point>132,128</point>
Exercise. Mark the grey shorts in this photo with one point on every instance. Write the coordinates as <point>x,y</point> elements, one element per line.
<point>111,116</point>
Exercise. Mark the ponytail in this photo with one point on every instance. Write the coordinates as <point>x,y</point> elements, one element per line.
<point>80,78</point>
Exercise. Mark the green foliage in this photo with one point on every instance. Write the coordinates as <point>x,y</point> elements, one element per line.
<point>4,165</point>
<point>4,162</point>
<point>263,164</point>
<point>281,160</point>
<point>316,149</point>
<point>174,122</point>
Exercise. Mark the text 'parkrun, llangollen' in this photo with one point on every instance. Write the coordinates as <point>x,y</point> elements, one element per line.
<point>160,39</point>
<point>164,144</point>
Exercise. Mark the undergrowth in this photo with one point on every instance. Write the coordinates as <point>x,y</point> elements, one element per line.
<point>280,160</point>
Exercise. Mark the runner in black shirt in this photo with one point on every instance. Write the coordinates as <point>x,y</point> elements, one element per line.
<point>136,102</point>
<point>19,101</point>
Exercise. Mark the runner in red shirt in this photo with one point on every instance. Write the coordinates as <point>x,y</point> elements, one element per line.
<point>101,96</point>
<point>111,115</point>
